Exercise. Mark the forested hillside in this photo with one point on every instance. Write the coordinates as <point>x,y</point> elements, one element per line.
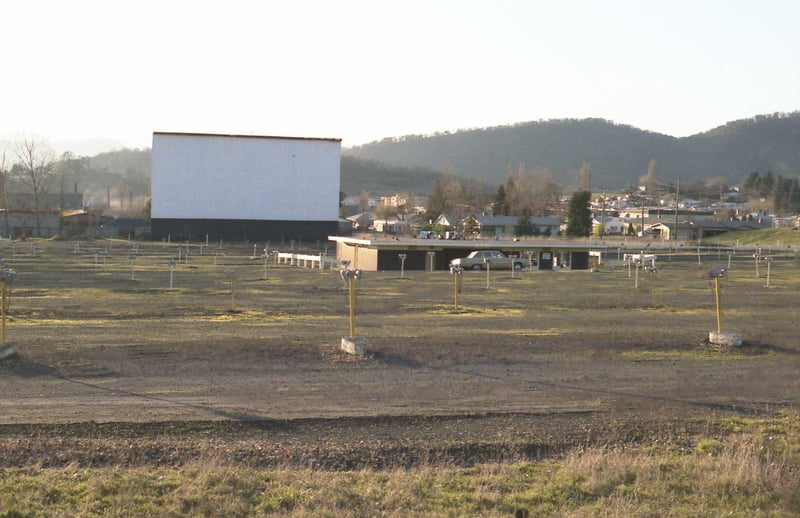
<point>618,155</point>
<point>359,175</point>
<point>115,179</point>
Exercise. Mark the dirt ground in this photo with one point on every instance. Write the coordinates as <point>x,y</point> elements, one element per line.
<point>109,355</point>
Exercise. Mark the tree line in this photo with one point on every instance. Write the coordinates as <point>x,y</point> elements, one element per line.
<point>531,190</point>
<point>534,192</point>
<point>525,193</point>
<point>33,177</point>
<point>782,195</point>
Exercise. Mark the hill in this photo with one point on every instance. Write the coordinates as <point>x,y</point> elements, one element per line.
<point>618,154</point>
<point>115,179</point>
<point>359,175</point>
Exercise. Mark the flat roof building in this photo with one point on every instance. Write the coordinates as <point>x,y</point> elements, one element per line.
<point>436,254</point>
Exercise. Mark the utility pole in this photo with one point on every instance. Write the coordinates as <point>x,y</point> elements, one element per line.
<point>642,222</point>
<point>603,218</point>
<point>677,200</point>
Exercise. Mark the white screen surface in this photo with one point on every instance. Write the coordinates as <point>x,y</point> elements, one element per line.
<point>241,177</point>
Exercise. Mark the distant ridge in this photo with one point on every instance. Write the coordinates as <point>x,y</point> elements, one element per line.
<point>618,154</point>
<point>87,146</point>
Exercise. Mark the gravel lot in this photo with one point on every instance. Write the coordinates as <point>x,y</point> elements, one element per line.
<point>109,354</point>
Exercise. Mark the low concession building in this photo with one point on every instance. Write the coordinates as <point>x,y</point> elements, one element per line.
<point>436,254</point>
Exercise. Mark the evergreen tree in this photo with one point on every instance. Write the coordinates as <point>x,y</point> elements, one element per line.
<point>500,200</point>
<point>579,215</point>
<point>767,184</point>
<point>524,227</point>
<point>511,194</point>
<point>793,205</point>
<point>782,195</point>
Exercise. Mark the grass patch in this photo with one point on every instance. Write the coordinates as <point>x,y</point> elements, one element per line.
<point>778,236</point>
<point>692,355</point>
<point>750,472</point>
<point>528,332</point>
<point>60,322</point>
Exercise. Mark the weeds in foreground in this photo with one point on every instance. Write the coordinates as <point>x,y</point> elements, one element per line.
<point>754,472</point>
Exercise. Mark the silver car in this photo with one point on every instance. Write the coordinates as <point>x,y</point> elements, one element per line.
<point>497,260</point>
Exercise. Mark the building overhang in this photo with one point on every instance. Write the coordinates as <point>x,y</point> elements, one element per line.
<point>472,244</point>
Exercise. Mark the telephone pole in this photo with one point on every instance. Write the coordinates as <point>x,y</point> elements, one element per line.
<point>677,200</point>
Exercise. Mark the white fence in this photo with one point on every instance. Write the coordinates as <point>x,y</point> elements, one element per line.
<point>320,261</point>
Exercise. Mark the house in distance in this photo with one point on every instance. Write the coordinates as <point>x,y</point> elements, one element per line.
<point>244,187</point>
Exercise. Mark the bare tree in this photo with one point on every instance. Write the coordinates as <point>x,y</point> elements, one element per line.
<point>363,201</point>
<point>651,181</point>
<point>64,165</point>
<point>534,190</point>
<point>405,203</point>
<point>448,196</point>
<point>4,174</point>
<point>483,193</point>
<point>36,161</point>
<point>585,177</point>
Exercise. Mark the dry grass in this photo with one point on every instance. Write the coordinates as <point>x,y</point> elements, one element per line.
<point>753,472</point>
<point>65,306</point>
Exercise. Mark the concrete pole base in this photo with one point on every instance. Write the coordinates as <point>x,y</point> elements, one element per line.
<point>725,338</point>
<point>355,345</point>
<point>7,349</point>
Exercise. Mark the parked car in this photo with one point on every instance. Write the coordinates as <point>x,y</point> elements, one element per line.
<point>497,260</point>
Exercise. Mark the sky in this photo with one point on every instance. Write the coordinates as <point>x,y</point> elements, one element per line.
<point>366,70</point>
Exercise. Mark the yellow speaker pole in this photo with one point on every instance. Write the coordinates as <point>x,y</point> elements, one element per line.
<point>455,271</point>
<point>6,275</point>
<point>3,286</point>
<point>351,282</point>
<point>233,292</point>
<point>455,291</point>
<point>719,308</point>
<point>653,273</point>
<point>232,275</point>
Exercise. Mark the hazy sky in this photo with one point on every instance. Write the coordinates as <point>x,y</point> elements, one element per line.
<point>365,70</point>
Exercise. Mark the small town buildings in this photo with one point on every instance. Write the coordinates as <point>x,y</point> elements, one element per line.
<point>83,222</point>
<point>389,226</point>
<point>499,227</point>
<point>126,228</point>
<point>636,215</point>
<point>612,225</point>
<point>699,230</point>
<point>442,222</point>
<point>24,223</point>
<point>361,221</point>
